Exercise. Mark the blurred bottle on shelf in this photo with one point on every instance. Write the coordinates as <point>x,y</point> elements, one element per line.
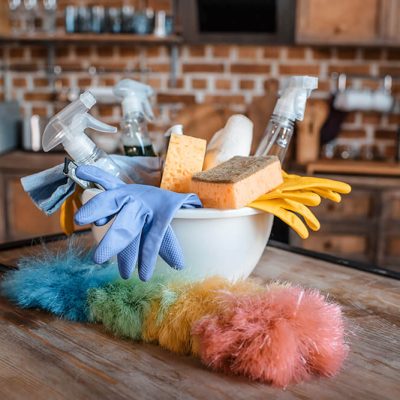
<point>124,19</point>
<point>164,24</point>
<point>113,20</point>
<point>84,20</point>
<point>30,15</point>
<point>70,19</point>
<point>160,28</point>
<point>49,16</point>
<point>97,19</point>
<point>16,11</point>
<point>127,15</point>
<point>143,22</point>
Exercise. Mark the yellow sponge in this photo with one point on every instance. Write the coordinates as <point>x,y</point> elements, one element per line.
<point>185,157</point>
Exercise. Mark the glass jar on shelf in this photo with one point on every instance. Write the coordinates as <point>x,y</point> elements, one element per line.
<point>16,14</point>
<point>49,16</point>
<point>31,13</point>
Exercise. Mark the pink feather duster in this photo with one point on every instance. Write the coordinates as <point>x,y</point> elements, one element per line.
<point>280,336</point>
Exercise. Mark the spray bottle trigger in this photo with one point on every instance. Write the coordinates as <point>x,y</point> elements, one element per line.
<point>97,125</point>
<point>148,112</point>
<point>69,170</point>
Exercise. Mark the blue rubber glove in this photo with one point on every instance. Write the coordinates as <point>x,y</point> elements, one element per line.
<point>141,229</point>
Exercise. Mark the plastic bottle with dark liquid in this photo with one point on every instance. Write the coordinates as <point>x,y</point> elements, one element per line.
<point>135,138</point>
<point>133,151</point>
<point>136,110</point>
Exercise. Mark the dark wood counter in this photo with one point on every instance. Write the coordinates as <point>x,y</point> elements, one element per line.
<point>43,357</point>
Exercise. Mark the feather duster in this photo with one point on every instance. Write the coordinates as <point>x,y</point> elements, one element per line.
<point>158,309</point>
<point>280,336</point>
<point>194,302</point>
<point>123,305</point>
<point>57,281</point>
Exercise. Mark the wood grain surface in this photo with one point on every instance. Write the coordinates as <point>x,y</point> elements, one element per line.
<point>43,357</point>
<point>354,167</point>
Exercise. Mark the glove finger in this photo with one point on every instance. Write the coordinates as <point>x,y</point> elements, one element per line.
<point>287,217</point>
<point>96,175</point>
<point>328,194</point>
<point>330,184</point>
<point>103,221</point>
<point>295,207</point>
<point>310,199</point>
<point>305,197</point>
<point>155,231</point>
<point>127,226</point>
<point>127,258</point>
<point>149,249</point>
<point>310,219</point>
<point>171,251</point>
<point>318,183</point>
<point>100,206</point>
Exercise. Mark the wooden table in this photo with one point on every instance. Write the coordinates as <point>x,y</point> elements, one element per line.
<point>42,357</point>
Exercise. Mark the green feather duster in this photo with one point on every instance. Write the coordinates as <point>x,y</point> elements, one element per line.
<point>123,305</point>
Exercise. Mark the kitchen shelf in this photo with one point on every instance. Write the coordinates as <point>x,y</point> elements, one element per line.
<point>52,41</point>
<point>354,167</point>
<point>85,38</point>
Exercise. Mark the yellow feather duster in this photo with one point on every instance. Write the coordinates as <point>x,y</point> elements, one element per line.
<point>194,302</point>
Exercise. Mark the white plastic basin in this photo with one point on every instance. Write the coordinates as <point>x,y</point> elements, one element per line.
<point>228,243</point>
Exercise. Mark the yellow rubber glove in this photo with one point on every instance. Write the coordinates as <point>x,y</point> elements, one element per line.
<point>302,196</point>
<point>67,211</point>
<point>295,182</point>
<point>328,194</point>
<point>287,211</point>
<point>275,207</point>
<point>289,200</point>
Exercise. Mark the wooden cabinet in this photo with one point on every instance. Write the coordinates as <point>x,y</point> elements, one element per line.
<point>355,22</point>
<point>389,240</point>
<point>354,246</point>
<point>359,204</point>
<point>24,219</point>
<point>365,226</point>
<point>20,218</point>
<point>390,21</point>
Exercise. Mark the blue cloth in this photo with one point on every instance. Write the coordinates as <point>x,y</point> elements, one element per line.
<point>50,188</point>
<point>141,229</point>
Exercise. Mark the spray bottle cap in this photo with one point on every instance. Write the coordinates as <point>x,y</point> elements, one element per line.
<point>175,129</point>
<point>68,128</point>
<point>135,97</point>
<point>292,103</point>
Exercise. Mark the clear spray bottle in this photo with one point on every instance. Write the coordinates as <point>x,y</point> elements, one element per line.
<point>68,129</point>
<point>289,108</point>
<point>136,111</point>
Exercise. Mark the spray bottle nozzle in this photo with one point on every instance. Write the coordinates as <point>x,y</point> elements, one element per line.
<point>135,97</point>
<point>175,129</point>
<point>295,92</point>
<point>68,128</point>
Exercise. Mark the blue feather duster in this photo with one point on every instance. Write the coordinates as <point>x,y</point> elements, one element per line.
<point>57,281</point>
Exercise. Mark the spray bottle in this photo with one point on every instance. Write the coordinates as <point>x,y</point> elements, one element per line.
<point>136,110</point>
<point>68,129</point>
<point>289,108</point>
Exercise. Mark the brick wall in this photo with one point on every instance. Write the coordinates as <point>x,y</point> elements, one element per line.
<point>230,76</point>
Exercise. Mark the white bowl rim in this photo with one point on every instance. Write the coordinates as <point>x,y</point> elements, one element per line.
<point>204,213</point>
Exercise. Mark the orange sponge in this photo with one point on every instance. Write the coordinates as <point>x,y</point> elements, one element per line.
<point>237,182</point>
<point>185,157</point>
